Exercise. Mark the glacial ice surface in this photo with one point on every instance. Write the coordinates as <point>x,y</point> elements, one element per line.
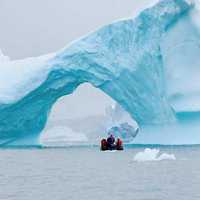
<point>145,64</point>
<point>61,135</point>
<point>3,58</point>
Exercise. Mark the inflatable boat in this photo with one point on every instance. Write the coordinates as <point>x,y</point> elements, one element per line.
<point>116,146</point>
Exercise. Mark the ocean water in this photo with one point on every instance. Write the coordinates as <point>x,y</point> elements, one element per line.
<point>87,173</point>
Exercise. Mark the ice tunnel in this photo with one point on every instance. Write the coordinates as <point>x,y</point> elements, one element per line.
<point>142,63</point>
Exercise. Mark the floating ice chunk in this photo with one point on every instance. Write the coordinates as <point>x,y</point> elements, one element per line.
<point>166,156</point>
<point>152,155</point>
<point>147,155</point>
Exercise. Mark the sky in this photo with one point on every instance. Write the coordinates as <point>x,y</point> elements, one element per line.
<point>35,27</point>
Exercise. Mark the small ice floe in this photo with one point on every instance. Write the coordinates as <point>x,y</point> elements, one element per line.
<point>152,155</point>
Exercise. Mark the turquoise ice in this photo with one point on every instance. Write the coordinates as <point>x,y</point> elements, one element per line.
<point>150,65</point>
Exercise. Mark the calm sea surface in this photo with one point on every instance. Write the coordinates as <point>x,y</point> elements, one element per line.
<point>87,173</point>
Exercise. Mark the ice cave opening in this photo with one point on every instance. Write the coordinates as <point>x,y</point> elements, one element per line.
<point>83,117</point>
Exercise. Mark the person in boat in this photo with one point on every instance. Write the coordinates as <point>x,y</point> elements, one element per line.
<point>111,142</point>
<point>104,145</point>
<point>119,144</point>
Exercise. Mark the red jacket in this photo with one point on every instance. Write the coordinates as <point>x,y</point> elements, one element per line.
<point>119,142</point>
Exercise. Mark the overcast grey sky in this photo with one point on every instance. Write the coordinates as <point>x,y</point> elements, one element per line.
<point>35,27</point>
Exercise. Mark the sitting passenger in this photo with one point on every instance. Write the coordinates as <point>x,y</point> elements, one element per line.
<point>119,144</point>
<point>104,145</point>
<point>111,142</point>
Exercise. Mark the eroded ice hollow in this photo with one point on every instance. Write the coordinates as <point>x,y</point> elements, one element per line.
<point>149,65</point>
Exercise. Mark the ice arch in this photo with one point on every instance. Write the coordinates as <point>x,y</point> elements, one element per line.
<point>124,59</point>
<point>85,116</point>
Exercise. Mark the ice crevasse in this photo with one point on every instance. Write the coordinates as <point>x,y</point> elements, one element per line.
<point>149,65</point>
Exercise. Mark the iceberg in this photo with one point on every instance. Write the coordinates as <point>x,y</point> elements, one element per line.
<point>3,58</point>
<point>145,64</point>
<point>62,136</point>
<point>124,131</point>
